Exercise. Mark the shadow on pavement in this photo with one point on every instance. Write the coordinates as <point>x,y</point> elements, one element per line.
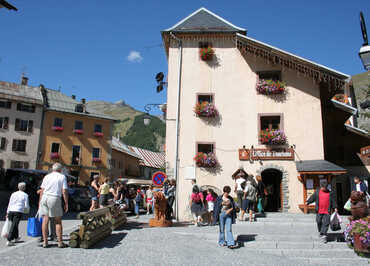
<point>110,242</point>
<point>130,225</point>
<point>336,237</point>
<point>242,239</point>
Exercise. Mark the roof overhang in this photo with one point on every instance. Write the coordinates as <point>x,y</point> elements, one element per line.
<point>357,131</point>
<point>344,107</point>
<point>319,167</point>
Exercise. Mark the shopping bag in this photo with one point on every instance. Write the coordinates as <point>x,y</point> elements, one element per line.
<point>259,205</point>
<point>34,227</point>
<point>347,206</point>
<point>6,228</point>
<point>335,221</point>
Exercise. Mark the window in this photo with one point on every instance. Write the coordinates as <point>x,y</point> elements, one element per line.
<point>113,163</point>
<point>5,104</point>
<point>205,44</point>
<point>78,125</point>
<point>96,153</point>
<point>58,122</point>
<point>273,75</point>
<point>120,165</point>
<point>205,147</point>
<point>23,125</point>
<point>19,145</point>
<point>270,122</point>
<point>1,163</point>
<point>205,98</point>
<point>97,128</point>
<point>24,107</point>
<point>2,143</point>
<point>76,155</point>
<point>19,164</point>
<point>55,147</point>
<point>4,121</point>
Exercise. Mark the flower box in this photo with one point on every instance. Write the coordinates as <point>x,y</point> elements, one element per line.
<point>273,137</point>
<point>57,128</point>
<point>54,155</point>
<point>207,160</point>
<point>268,87</point>
<point>98,134</point>
<point>206,54</point>
<point>341,98</point>
<point>205,109</point>
<point>357,234</point>
<point>96,160</point>
<point>78,131</point>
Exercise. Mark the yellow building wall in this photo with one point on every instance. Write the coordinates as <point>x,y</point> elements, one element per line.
<point>67,138</point>
<point>129,165</point>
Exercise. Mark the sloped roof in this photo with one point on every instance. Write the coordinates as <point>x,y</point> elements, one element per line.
<point>204,20</point>
<point>122,147</point>
<point>58,101</point>
<point>318,166</point>
<point>14,91</point>
<point>150,158</point>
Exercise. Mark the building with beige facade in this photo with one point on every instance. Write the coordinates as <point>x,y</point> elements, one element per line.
<point>21,109</point>
<point>274,114</point>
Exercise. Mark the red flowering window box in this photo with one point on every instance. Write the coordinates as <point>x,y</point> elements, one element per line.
<point>206,160</point>
<point>57,128</point>
<point>96,160</point>
<point>54,155</point>
<point>98,134</point>
<point>78,131</point>
<point>206,54</point>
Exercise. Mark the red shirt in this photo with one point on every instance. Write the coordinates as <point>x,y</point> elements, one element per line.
<point>324,202</point>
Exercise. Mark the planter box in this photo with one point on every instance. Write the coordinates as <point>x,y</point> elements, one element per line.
<point>98,134</point>
<point>78,131</point>
<point>358,246</point>
<point>57,128</point>
<point>205,160</point>
<point>273,137</point>
<point>269,87</point>
<point>205,109</point>
<point>96,160</point>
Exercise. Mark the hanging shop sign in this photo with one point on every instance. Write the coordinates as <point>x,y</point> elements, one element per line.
<point>365,151</point>
<point>266,154</point>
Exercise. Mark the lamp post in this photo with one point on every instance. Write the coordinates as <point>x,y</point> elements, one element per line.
<point>148,108</point>
<point>365,49</point>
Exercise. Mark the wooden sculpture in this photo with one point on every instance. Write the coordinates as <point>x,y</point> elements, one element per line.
<point>160,207</point>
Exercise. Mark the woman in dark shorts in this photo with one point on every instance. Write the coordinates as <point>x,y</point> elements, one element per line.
<point>94,188</point>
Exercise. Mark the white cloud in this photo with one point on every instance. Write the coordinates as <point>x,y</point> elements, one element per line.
<point>134,57</point>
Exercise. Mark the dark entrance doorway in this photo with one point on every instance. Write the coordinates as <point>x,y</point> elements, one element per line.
<point>272,180</point>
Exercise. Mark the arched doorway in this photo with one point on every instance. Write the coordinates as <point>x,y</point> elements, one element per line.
<point>272,178</point>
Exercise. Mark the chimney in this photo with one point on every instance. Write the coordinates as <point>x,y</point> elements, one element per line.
<point>73,97</point>
<point>83,100</point>
<point>24,80</point>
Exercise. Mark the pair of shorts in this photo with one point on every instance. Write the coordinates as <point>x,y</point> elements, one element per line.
<point>51,206</point>
<point>94,198</point>
<point>149,200</point>
<point>103,200</point>
<point>247,205</point>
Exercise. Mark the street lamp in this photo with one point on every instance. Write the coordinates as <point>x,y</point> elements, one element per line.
<point>147,118</point>
<point>365,49</point>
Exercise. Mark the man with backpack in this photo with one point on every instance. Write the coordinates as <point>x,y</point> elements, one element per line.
<point>249,200</point>
<point>239,187</point>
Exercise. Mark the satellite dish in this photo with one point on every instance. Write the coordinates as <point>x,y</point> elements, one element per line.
<point>363,29</point>
<point>159,77</point>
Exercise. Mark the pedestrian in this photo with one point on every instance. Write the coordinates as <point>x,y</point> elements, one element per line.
<point>53,187</point>
<point>94,188</point>
<point>359,185</point>
<point>225,214</point>
<point>197,205</point>
<point>52,228</point>
<point>18,204</point>
<point>149,199</point>
<point>194,183</point>
<point>112,195</point>
<point>211,198</point>
<point>138,199</point>
<point>104,193</point>
<point>249,199</point>
<point>239,189</point>
<point>261,193</point>
<point>171,196</point>
<point>324,204</point>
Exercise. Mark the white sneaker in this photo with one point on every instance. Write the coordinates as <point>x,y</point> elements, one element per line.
<point>10,244</point>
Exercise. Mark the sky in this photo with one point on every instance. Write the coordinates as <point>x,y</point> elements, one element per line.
<point>111,50</point>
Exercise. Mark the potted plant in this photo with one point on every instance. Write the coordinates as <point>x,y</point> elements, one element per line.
<point>98,134</point>
<point>207,160</point>
<point>54,155</point>
<point>205,109</point>
<point>78,131</point>
<point>357,235</point>
<point>273,137</point>
<point>55,128</point>
<point>269,86</point>
<point>206,54</point>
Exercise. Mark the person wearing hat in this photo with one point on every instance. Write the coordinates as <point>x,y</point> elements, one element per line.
<point>94,188</point>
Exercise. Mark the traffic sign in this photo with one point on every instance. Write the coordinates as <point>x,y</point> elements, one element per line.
<point>158,178</point>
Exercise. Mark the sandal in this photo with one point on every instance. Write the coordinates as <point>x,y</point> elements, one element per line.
<point>62,245</point>
<point>45,245</point>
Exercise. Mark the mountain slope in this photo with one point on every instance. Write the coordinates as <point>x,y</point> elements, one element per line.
<point>130,126</point>
<point>361,84</point>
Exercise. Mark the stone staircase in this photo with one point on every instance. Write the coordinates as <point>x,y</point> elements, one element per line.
<point>295,236</point>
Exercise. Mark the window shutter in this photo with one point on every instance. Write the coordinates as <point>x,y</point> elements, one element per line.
<point>30,126</point>
<point>14,146</point>
<point>6,122</point>
<point>2,144</point>
<point>17,124</point>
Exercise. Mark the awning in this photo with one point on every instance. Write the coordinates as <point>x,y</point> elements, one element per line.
<point>318,167</point>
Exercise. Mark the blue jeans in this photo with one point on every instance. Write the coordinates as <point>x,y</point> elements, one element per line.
<point>136,208</point>
<point>226,220</point>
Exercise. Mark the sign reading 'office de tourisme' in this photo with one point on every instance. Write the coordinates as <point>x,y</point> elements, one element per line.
<point>266,154</point>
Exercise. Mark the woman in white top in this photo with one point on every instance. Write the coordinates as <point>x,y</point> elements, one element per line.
<point>18,204</point>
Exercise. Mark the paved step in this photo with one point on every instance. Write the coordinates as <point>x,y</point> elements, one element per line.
<point>334,261</point>
<point>263,244</point>
<point>310,253</point>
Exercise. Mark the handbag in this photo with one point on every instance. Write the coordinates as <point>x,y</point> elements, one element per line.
<point>6,228</point>
<point>34,227</point>
<point>348,205</point>
<point>335,222</point>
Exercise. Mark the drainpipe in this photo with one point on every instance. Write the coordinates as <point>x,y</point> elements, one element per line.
<point>177,124</point>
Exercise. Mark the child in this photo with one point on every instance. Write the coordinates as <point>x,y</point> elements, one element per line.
<point>211,198</point>
<point>138,199</point>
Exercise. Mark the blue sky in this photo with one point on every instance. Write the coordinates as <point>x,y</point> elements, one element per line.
<point>82,47</point>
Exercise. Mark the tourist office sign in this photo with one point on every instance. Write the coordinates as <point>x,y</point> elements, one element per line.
<point>267,154</point>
